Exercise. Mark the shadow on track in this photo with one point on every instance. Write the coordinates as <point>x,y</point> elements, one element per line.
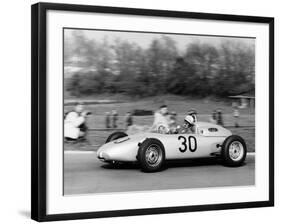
<point>170,164</point>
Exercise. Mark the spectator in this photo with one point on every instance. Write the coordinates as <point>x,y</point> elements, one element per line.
<point>173,122</point>
<point>74,123</point>
<point>128,119</point>
<point>114,119</point>
<point>161,119</point>
<point>107,120</point>
<point>213,118</point>
<point>219,117</point>
<point>236,115</point>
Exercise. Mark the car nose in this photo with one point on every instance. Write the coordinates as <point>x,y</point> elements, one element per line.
<point>103,156</point>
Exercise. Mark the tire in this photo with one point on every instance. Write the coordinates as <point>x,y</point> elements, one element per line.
<point>234,151</point>
<point>115,135</point>
<point>151,155</point>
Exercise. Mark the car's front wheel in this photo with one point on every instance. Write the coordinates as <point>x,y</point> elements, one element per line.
<point>234,151</point>
<point>151,155</point>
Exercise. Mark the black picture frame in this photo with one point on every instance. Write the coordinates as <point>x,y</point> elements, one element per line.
<point>39,108</point>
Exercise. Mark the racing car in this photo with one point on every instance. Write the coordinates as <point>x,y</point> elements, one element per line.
<point>151,149</point>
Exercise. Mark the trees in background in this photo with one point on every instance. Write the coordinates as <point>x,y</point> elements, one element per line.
<point>126,68</point>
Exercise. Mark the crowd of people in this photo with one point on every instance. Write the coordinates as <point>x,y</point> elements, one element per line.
<point>75,125</point>
<point>112,118</point>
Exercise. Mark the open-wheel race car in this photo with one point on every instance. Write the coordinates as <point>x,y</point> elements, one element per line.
<point>151,149</point>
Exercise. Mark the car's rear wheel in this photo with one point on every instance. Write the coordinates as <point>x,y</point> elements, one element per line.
<point>234,151</point>
<point>151,155</point>
<point>115,135</point>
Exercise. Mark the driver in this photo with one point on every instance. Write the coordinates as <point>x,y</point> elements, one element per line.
<point>189,125</point>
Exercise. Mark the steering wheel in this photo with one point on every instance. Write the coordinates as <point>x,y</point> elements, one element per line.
<point>162,129</point>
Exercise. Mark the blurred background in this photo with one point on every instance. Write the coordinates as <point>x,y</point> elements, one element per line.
<point>144,64</point>
<point>115,72</point>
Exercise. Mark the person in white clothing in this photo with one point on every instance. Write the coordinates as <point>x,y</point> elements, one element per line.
<point>161,120</point>
<point>74,122</point>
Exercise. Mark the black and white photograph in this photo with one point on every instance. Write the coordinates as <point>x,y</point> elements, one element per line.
<point>142,111</point>
<point>146,111</point>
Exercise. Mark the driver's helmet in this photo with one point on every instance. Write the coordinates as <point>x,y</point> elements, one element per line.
<point>189,120</point>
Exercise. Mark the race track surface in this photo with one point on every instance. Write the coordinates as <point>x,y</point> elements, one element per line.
<point>85,174</point>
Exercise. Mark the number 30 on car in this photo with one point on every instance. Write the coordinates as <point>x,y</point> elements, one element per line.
<point>192,144</point>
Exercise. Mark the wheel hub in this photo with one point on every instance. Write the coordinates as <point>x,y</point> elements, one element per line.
<point>236,151</point>
<point>153,155</point>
